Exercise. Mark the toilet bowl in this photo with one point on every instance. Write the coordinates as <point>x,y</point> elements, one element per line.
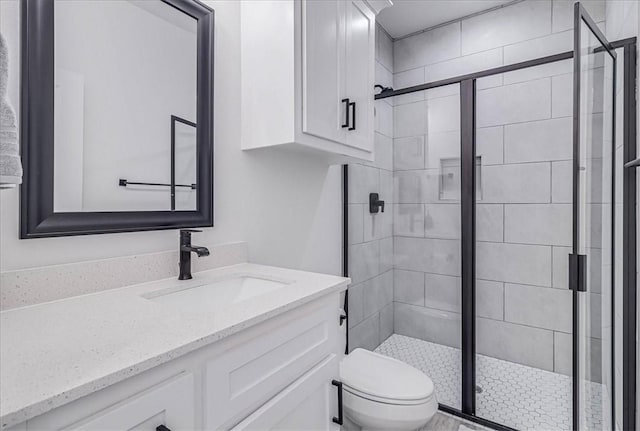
<point>382,393</point>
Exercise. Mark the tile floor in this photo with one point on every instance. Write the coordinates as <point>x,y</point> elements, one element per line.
<point>515,395</point>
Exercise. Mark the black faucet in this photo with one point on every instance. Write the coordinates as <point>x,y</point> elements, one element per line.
<point>375,203</point>
<point>185,253</point>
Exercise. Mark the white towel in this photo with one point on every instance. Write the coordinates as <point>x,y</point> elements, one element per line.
<point>10,165</point>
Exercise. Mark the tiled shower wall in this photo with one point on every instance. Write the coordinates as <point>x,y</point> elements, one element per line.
<point>370,235</point>
<point>524,215</point>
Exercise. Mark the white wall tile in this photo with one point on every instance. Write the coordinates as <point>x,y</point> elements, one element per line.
<point>489,81</point>
<point>378,225</point>
<point>386,189</point>
<point>384,48</point>
<point>521,183</point>
<point>562,353</point>
<point>410,119</point>
<point>438,256</point>
<point>408,153</point>
<point>489,145</point>
<point>562,95</point>
<point>541,307</point>
<point>442,327</point>
<point>383,117</point>
<point>441,145</point>
<point>408,287</point>
<point>383,152</point>
<point>440,44</point>
<point>518,22</point>
<point>515,103</point>
<point>539,141</point>
<point>490,299</point>
<point>539,47</point>
<point>386,322</point>
<point>561,267</point>
<point>443,114</point>
<point>537,72</point>
<point>489,222</point>
<point>408,220</point>
<point>442,221</point>
<point>544,224</point>
<point>383,76</point>
<point>365,335</point>
<point>356,226</point>
<point>407,186</point>
<point>464,65</point>
<point>563,12</point>
<point>362,181</point>
<point>356,304</point>
<point>442,292</point>
<point>364,261</point>
<point>416,186</point>
<point>377,293</point>
<point>408,78</point>
<point>514,263</point>
<point>516,343</point>
<point>386,254</point>
<point>562,182</point>
<point>444,91</point>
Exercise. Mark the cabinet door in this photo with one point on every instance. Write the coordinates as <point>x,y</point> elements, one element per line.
<point>360,69</point>
<point>171,404</point>
<point>322,69</point>
<point>310,403</point>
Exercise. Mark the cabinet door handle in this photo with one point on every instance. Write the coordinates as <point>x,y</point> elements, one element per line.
<point>346,111</point>
<point>338,419</point>
<point>352,105</point>
<point>162,428</point>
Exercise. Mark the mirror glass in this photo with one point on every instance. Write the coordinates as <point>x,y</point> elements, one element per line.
<point>124,106</point>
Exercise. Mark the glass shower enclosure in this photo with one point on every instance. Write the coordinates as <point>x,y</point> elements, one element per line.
<point>503,238</point>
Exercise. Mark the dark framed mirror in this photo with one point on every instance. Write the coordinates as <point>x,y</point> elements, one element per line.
<point>116,116</point>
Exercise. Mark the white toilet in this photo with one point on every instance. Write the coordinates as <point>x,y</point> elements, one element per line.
<point>382,393</point>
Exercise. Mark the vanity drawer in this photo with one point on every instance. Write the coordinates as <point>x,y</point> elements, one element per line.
<point>309,403</point>
<point>171,404</point>
<point>246,376</point>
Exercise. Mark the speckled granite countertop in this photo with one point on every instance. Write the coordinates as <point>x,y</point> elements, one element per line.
<point>57,352</point>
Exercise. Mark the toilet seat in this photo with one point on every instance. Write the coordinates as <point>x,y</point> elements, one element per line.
<point>383,400</point>
<point>383,379</point>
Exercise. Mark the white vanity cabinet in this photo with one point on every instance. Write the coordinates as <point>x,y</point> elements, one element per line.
<point>308,76</point>
<point>275,375</point>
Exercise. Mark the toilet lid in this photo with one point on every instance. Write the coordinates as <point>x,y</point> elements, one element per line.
<point>381,376</point>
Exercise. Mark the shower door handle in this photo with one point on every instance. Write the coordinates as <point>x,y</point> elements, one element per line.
<point>578,272</point>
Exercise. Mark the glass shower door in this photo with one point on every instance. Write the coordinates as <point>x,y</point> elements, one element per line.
<point>591,275</point>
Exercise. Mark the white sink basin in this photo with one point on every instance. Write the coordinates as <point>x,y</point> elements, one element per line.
<point>215,294</point>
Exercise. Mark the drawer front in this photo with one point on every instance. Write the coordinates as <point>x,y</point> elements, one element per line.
<point>171,404</point>
<point>310,403</point>
<point>243,378</point>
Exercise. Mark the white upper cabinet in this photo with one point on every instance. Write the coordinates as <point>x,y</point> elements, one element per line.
<point>308,76</point>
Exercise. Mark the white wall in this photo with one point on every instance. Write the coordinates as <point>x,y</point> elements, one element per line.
<point>286,206</point>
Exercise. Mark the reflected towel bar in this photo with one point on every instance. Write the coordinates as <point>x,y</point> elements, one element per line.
<point>122,182</point>
<point>633,163</point>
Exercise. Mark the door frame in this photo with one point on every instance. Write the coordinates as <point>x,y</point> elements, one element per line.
<point>468,249</point>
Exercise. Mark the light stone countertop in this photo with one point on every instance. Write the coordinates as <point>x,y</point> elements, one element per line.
<point>57,352</point>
